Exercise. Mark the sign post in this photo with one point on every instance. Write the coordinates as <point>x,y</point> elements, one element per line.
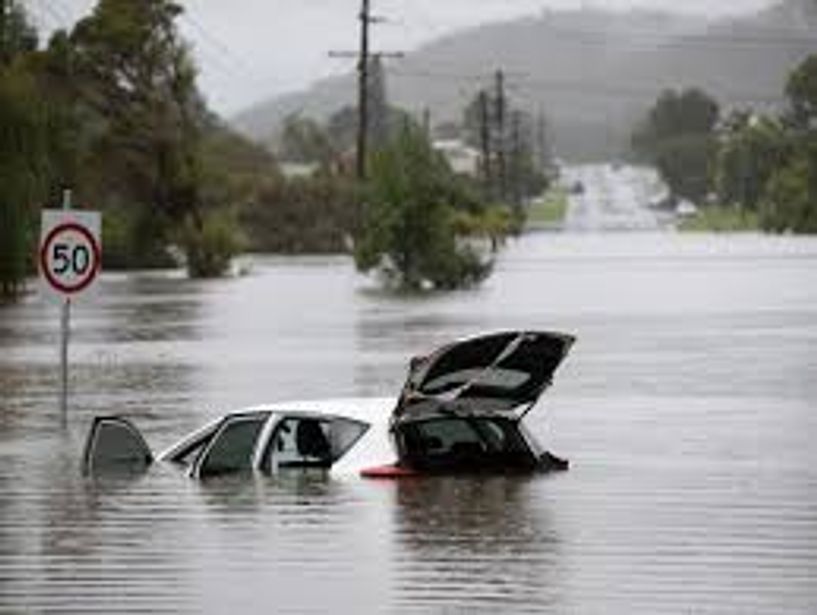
<point>69,259</point>
<point>65,332</point>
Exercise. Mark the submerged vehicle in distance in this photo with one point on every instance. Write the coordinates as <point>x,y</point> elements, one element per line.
<point>462,406</point>
<point>461,410</point>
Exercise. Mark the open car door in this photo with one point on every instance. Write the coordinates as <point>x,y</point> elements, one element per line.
<point>115,446</point>
<point>497,372</point>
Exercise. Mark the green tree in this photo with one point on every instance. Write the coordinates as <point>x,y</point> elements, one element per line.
<point>751,150</point>
<point>302,215</point>
<point>675,114</point>
<point>801,90</point>
<point>407,229</point>
<point>135,72</point>
<point>790,200</point>
<point>678,137</point>
<point>17,35</point>
<point>23,174</point>
<point>24,138</point>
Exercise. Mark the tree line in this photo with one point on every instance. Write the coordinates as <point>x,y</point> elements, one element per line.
<point>111,110</point>
<point>758,164</point>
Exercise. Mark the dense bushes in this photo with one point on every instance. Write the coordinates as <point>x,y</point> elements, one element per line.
<point>762,167</point>
<point>302,215</point>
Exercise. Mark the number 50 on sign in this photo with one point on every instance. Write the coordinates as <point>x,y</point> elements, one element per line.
<point>70,251</point>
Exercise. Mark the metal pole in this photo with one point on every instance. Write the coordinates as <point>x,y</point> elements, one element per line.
<point>65,330</point>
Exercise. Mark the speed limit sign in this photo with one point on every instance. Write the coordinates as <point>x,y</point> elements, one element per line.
<point>70,250</point>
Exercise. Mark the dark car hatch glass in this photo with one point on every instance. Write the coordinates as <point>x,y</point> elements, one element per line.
<point>462,443</point>
<point>509,369</point>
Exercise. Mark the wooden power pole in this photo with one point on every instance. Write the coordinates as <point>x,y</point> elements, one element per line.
<point>500,127</point>
<point>364,55</point>
<point>485,142</point>
<point>362,90</point>
<point>516,163</point>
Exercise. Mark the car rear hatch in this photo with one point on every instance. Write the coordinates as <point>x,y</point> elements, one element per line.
<point>501,372</point>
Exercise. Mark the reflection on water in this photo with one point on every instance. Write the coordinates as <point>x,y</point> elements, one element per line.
<point>686,409</point>
<point>476,544</point>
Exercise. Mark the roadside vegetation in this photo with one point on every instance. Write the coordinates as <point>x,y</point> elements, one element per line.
<point>744,171</point>
<point>408,231</point>
<point>720,220</point>
<point>111,109</point>
<point>548,210</point>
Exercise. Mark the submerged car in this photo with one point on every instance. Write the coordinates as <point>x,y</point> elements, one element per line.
<point>460,410</point>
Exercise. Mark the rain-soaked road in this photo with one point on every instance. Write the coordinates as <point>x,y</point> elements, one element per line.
<point>609,197</point>
<point>687,409</point>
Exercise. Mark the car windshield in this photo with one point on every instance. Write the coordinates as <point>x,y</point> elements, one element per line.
<point>463,442</point>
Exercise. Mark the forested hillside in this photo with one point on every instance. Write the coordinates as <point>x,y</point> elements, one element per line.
<point>593,72</point>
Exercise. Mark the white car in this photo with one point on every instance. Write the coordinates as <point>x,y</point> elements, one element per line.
<point>460,410</point>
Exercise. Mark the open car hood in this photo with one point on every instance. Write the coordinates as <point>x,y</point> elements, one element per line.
<point>499,372</point>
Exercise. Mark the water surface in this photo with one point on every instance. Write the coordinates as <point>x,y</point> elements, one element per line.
<point>687,409</point>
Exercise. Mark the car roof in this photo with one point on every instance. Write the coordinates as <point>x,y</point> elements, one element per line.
<point>368,409</point>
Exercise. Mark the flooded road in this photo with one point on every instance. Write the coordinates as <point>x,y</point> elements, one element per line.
<point>608,197</point>
<point>687,409</point>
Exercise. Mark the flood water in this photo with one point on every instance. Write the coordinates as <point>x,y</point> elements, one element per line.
<point>688,409</point>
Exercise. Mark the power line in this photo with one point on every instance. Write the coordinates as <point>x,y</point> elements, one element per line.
<point>226,60</point>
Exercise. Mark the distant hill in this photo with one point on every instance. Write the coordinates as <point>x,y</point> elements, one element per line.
<point>593,72</point>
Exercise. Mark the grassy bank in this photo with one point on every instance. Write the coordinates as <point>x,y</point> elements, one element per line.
<point>720,220</point>
<point>549,210</point>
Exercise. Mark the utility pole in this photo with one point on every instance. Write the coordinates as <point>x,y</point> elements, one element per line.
<point>516,153</point>
<point>500,127</point>
<point>485,142</point>
<point>363,56</point>
<point>362,90</point>
<point>427,123</point>
<point>541,141</point>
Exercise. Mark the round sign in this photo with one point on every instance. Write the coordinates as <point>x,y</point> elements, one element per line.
<point>69,257</point>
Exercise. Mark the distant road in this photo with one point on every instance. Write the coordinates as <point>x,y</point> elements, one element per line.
<point>613,198</point>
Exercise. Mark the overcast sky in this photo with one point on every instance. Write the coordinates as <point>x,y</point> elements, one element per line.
<point>251,50</point>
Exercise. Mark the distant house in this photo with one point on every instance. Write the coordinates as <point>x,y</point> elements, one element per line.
<point>463,158</point>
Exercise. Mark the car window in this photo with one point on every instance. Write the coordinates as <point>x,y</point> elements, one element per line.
<point>463,443</point>
<point>299,441</point>
<point>311,441</point>
<point>442,436</point>
<point>232,447</point>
